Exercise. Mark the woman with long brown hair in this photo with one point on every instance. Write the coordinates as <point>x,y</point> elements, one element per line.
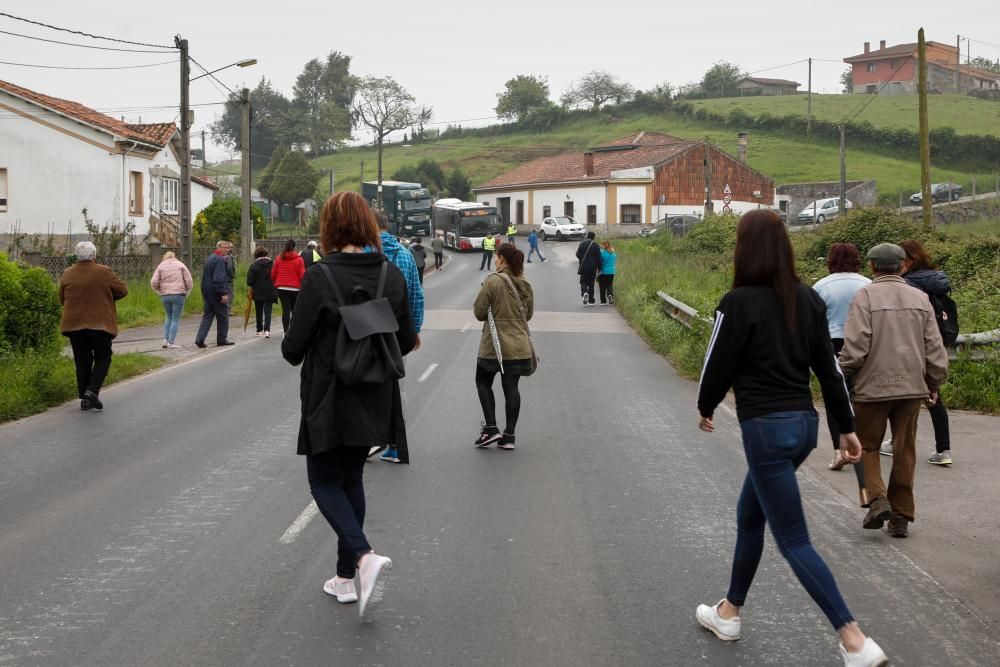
<point>340,423</point>
<point>770,330</point>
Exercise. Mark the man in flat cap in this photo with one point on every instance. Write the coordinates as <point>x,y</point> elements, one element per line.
<point>893,351</point>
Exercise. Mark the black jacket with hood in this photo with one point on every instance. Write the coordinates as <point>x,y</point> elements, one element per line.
<point>589,254</point>
<point>259,280</point>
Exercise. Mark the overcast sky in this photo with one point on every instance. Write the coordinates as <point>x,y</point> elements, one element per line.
<point>455,56</point>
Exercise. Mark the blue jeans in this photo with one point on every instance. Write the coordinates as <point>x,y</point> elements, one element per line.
<point>775,446</point>
<point>173,305</point>
<point>535,251</point>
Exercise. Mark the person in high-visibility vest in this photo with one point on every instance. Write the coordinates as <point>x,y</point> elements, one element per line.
<point>511,232</point>
<point>489,246</point>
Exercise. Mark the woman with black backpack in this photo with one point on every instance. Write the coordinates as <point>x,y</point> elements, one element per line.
<point>919,272</point>
<point>348,409</point>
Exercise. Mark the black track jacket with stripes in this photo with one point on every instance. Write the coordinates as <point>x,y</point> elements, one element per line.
<point>753,351</point>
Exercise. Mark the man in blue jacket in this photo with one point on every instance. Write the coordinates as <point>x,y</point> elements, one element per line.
<point>533,246</point>
<point>217,293</point>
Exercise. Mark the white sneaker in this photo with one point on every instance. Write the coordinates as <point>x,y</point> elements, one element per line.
<point>870,655</point>
<point>344,590</point>
<point>726,630</point>
<point>372,573</point>
<point>886,448</point>
<point>165,344</point>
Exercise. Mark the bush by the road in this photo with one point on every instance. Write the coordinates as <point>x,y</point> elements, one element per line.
<point>698,271</point>
<point>29,307</point>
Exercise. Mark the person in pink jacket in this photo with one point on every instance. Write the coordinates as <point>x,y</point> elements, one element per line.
<point>172,281</point>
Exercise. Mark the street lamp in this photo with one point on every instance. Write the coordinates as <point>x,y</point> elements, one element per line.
<point>186,121</point>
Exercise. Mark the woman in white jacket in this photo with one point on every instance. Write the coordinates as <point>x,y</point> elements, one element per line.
<point>172,281</point>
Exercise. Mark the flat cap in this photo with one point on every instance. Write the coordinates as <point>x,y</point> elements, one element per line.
<point>887,253</point>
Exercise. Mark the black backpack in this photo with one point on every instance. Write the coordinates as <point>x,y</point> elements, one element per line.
<point>946,312</point>
<point>366,352</point>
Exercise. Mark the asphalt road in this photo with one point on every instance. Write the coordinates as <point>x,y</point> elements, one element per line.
<point>174,528</point>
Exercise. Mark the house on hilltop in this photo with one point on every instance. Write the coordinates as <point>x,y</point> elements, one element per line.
<point>59,157</point>
<point>892,70</point>
<point>637,179</point>
<point>753,85</point>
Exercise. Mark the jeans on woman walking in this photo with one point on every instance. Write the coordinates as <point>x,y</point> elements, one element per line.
<point>335,479</point>
<point>173,306</point>
<point>775,446</point>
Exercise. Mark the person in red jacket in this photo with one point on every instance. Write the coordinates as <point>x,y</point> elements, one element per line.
<point>286,274</point>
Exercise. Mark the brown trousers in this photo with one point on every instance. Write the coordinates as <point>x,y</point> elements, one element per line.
<point>870,420</point>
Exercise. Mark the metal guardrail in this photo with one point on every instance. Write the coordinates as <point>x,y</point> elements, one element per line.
<point>685,315</point>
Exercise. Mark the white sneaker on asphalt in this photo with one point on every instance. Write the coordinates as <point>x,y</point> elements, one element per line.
<point>726,630</point>
<point>343,590</point>
<point>372,573</point>
<point>886,448</point>
<point>870,655</point>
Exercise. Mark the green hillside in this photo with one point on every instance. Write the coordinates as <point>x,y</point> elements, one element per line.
<point>782,158</point>
<point>967,115</point>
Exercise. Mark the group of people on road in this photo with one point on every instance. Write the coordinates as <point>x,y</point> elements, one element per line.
<point>769,331</point>
<point>597,262</point>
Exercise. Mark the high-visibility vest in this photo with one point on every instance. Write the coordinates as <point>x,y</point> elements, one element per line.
<point>512,231</point>
<point>489,243</point>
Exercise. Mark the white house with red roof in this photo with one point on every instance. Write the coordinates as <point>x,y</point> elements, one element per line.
<point>58,157</point>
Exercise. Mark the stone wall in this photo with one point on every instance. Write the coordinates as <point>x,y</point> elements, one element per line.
<point>984,207</point>
<point>859,193</point>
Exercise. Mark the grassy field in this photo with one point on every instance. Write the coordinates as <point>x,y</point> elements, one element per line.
<point>784,159</point>
<point>967,115</point>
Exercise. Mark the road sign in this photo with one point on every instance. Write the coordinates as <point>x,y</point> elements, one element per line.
<point>727,209</point>
<point>727,198</point>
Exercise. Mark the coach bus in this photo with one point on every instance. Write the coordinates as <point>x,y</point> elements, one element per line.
<point>463,225</point>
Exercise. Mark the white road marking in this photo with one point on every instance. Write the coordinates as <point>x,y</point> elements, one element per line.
<point>426,374</point>
<point>466,327</point>
<point>308,514</point>
<point>728,409</point>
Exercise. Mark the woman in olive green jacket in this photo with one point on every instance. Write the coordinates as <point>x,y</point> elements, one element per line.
<point>505,346</point>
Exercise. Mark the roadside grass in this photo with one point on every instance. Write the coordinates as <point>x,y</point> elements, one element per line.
<point>38,380</point>
<point>784,159</point>
<point>966,115</point>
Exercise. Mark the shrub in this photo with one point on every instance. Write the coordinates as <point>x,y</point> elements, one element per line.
<point>866,228</point>
<point>29,307</point>
<point>715,234</point>
<point>221,220</point>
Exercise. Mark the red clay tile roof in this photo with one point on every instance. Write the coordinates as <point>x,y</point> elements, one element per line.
<point>889,52</point>
<point>650,149</point>
<point>201,180</point>
<point>156,134</point>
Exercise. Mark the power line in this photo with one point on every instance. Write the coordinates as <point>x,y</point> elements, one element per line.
<point>82,46</point>
<point>851,115</point>
<point>5,62</point>
<point>85,34</point>
<point>768,69</point>
<point>979,41</point>
<point>212,75</point>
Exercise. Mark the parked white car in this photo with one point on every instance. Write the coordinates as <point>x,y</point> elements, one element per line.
<point>560,228</point>
<point>821,210</point>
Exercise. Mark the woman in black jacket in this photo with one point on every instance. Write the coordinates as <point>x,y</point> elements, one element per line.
<point>340,424</point>
<point>264,293</point>
<point>769,331</point>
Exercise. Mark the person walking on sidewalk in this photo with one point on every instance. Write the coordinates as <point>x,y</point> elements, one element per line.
<point>310,255</point>
<point>340,423</point>
<point>533,246</point>
<point>588,253</point>
<point>770,330</point>
<point>893,351</point>
<point>172,281</point>
<point>504,305</point>
<point>837,290</point>
<point>489,247</point>
<point>88,292</point>
<point>437,247</point>
<point>419,256</point>
<point>606,279</point>
<point>396,452</point>
<point>262,287</point>
<point>286,274</point>
<point>217,294</point>
<point>511,233</point>
<point>919,272</point>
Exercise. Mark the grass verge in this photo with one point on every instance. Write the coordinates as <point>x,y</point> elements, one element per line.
<point>35,381</point>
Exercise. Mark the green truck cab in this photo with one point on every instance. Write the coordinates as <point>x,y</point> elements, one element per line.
<point>407,205</point>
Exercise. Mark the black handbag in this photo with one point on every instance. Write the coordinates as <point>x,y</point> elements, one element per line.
<point>366,351</point>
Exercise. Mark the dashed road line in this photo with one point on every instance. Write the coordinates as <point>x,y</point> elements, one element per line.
<point>308,514</point>
<point>426,374</point>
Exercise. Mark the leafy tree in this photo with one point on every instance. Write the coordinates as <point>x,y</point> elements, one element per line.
<point>407,173</point>
<point>458,184</point>
<point>266,179</point>
<point>321,103</point>
<point>384,107</point>
<point>847,80</point>
<point>985,64</point>
<point>220,220</point>
<point>427,172</point>
<point>597,88</point>
<point>521,95</point>
<point>721,78</point>
<point>291,181</point>
<point>270,122</point>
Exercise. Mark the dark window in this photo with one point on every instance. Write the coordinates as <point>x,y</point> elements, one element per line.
<point>546,211</point>
<point>631,214</point>
<point>568,209</point>
<point>520,211</point>
<point>871,67</point>
<point>591,215</point>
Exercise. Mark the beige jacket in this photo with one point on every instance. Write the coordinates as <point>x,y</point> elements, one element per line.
<point>171,277</point>
<point>892,346</point>
<point>512,331</point>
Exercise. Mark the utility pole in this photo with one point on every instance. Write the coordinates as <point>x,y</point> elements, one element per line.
<point>925,144</point>
<point>708,180</point>
<point>362,175</point>
<point>809,103</point>
<point>204,161</point>
<point>246,225</point>
<point>331,182</point>
<point>958,62</point>
<point>843,170</point>
<point>185,156</point>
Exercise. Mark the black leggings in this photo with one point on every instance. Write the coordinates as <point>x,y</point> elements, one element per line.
<point>511,396</point>
<point>288,298</point>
